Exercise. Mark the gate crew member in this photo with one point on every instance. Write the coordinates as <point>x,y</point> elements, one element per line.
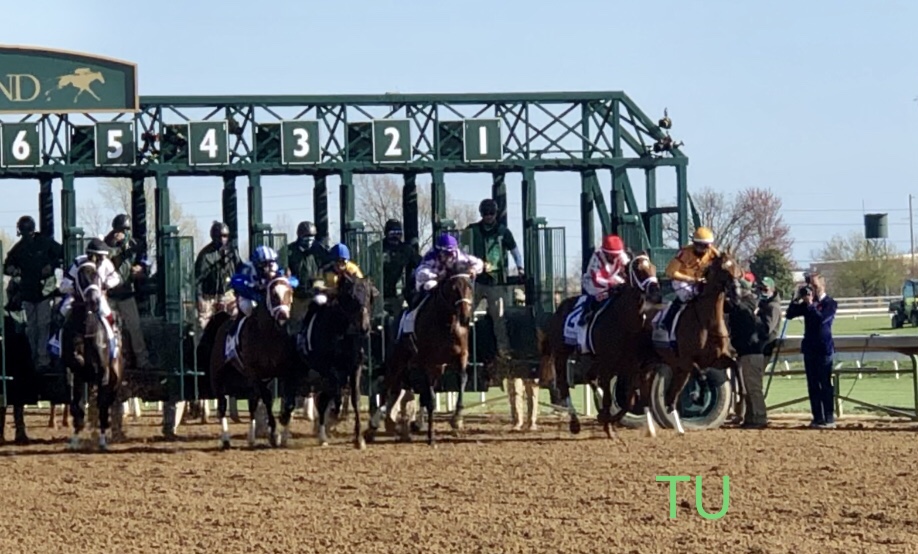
<point>305,257</point>
<point>399,261</point>
<point>32,261</point>
<point>686,270</point>
<point>213,269</point>
<point>125,256</point>
<point>490,242</point>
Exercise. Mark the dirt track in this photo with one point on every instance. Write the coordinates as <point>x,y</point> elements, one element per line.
<point>791,490</point>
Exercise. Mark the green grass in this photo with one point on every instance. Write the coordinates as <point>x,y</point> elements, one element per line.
<point>882,390</point>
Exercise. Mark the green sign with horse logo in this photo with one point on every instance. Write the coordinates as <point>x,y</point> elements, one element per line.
<point>39,80</point>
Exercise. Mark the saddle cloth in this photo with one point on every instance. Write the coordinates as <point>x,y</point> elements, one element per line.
<point>661,335</point>
<point>231,347</point>
<point>54,341</point>
<point>406,324</point>
<point>581,335</point>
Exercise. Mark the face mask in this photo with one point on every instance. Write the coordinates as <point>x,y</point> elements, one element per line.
<point>306,241</point>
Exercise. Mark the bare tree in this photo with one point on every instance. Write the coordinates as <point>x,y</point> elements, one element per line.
<point>380,199</point>
<point>855,266</point>
<point>744,224</point>
<point>96,218</point>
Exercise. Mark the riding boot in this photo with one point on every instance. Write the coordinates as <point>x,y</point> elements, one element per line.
<point>671,313</point>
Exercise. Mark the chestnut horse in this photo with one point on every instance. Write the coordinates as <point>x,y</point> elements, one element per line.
<point>441,335</point>
<point>621,339</point>
<point>702,338</point>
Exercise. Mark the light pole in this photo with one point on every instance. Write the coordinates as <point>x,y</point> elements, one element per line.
<point>911,232</point>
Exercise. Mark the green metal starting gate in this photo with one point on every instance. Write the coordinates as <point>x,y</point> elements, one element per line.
<point>180,312</point>
<point>548,265</point>
<point>3,376</point>
<point>366,252</point>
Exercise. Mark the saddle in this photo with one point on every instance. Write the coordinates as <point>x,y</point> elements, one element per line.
<point>664,324</point>
<point>579,323</point>
<point>231,346</point>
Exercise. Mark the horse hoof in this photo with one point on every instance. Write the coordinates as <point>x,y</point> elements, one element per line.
<point>323,443</point>
<point>225,445</point>
<point>603,418</point>
<point>360,444</point>
<point>456,423</point>
<point>21,440</point>
<point>575,426</point>
<point>369,436</point>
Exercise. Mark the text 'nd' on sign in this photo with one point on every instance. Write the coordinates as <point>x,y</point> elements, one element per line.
<point>41,80</point>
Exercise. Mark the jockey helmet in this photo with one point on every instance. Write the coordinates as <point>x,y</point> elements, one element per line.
<point>263,255</point>
<point>447,243</point>
<point>488,206</point>
<point>122,222</point>
<point>340,252</point>
<point>25,225</point>
<point>393,228</point>
<point>703,235</point>
<point>219,230</point>
<point>96,247</point>
<point>613,245</point>
<point>306,229</point>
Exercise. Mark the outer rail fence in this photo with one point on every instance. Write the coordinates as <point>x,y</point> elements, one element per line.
<point>848,346</point>
<point>862,306</point>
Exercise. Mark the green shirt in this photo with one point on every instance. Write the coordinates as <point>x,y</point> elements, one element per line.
<point>491,245</point>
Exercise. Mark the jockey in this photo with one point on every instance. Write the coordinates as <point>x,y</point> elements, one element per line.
<point>604,273</point>
<point>687,270</point>
<point>253,277</point>
<point>444,257</point>
<point>329,274</point>
<point>96,253</point>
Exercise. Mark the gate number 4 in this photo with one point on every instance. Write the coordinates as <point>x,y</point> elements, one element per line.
<point>209,144</point>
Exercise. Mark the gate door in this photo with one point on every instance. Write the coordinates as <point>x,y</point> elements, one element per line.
<point>549,262</point>
<point>180,310</point>
<point>366,252</point>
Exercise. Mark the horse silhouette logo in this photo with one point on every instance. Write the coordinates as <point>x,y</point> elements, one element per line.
<point>81,79</point>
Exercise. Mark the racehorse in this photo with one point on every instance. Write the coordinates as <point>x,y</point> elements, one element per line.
<point>244,363</point>
<point>441,337</point>
<point>91,350</point>
<point>702,339</point>
<point>333,341</point>
<point>621,338</point>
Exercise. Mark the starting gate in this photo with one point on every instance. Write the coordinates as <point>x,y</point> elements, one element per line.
<point>277,241</point>
<point>366,252</point>
<point>3,377</point>
<point>179,308</point>
<point>548,265</point>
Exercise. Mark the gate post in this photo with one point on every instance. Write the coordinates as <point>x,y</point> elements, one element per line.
<point>499,194</point>
<point>587,207</point>
<point>162,216</point>
<point>437,202</point>
<point>256,228</point>
<point>320,205</point>
<point>346,201</point>
<point>231,208</point>
<point>139,211</point>
<point>531,256</point>
<point>46,207</point>
<point>410,210</point>
<point>70,232</point>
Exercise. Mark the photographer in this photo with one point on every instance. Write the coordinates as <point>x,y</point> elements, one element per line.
<point>818,349</point>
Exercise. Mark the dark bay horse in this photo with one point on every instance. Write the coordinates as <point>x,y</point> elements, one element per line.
<point>264,351</point>
<point>702,339</point>
<point>333,342</point>
<point>91,350</point>
<point>441,338</point>
<point>621,339</point>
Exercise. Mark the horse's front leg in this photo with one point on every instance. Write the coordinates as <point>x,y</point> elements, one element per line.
<point>254,397</point>
<point>326,404</point>
<point>76,411</point>
<point>456,420</point>
<point>427,401</point>
<point>359,441</point>
<point>267,398</point>
<point>564,392</point>
<point>104,400</point>
<point>680,378</point>
<point>288,405</point>
<point>222,404</point>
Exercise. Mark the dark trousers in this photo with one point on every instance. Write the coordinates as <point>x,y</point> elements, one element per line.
<point>752,367</point>
<point>818,369</point>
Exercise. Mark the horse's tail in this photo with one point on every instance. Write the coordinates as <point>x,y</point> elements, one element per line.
<point>546,358</point>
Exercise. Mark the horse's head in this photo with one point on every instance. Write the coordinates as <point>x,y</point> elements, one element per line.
<point>279,299</point>
<point>89,288</point>
<point>355,298</point>
<point>458,291</point>
<point>642,275</point>
<point>721,275</point>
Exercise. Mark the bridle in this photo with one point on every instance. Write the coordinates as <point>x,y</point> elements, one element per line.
<point>632,274</point>
<point>273,310</point>
<point>462,300</point>
<point>94,285</point>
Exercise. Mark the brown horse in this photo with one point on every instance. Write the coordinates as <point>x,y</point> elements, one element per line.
<point>265,352</point>
<point>621,339</point>
<point>702,339</point>
<point>91,350</point>
<point>441,338</point>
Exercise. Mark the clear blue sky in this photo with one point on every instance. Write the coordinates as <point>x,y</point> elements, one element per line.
<point>811,99</point>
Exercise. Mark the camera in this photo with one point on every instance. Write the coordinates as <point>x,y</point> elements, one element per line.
<point>804,290</point>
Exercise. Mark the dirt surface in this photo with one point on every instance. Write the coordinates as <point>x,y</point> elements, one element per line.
<point>791,490</point>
